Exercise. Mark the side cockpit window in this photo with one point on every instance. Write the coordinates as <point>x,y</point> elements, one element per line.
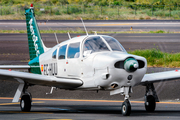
<point>62,52</point>
<point>54,54</point>
<point>74,50</point>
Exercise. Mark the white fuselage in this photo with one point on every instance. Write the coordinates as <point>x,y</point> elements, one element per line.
<point>72,59</point>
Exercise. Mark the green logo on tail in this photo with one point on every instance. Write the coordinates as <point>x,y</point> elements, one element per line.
<point>36,46</point>
<point>34,38</point>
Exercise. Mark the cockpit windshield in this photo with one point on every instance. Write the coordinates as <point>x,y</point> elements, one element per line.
<point>113,43</point>
<point>94,44</point>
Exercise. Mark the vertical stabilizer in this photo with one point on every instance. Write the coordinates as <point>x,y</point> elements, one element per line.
<point>36,46</point>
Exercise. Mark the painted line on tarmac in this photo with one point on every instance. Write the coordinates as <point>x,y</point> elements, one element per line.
<point>81,100</point>
<point>149,24</point>
<point>117,24</point>
<point>25,112</point>
<point>58,119</point>
<point>18,103</point>
<point>144,36</point>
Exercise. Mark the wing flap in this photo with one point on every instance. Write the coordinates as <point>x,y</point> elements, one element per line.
<point>161,76</point>
<point>36,79</point>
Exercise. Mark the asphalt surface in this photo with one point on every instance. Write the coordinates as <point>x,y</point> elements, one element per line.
<point>102,25</point>
<point>14,50</point>
<point>62,109</point>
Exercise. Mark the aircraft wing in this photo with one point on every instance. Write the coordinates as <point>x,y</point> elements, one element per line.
<point>36,79</point>
<point>160,76</point>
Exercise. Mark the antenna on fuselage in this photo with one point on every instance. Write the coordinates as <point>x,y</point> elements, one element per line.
<point>84,27</point>
<point>56,38</point>
<point>95,32</point>
<point>69,35</point>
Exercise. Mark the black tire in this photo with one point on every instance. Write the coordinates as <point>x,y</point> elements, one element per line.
<point>25,103</point>
<point>126,108</point>
<point>150,103</point>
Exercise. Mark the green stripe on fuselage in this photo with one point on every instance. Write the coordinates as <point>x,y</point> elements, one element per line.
<point>35,67</point>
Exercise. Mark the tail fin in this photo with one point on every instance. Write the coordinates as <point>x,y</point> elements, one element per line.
<point>36,45</point>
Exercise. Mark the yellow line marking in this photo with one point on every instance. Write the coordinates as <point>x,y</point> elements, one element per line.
<point>25,112</point>
<point>79,100</point>
<point>39,102</point>
<point>17,103</point>
<point>9,103</point>
<point>143,36</point>
<point>5,98</point>
<point>117,24</point>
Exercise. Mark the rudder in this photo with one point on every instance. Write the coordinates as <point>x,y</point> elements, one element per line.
<point>36,45</point>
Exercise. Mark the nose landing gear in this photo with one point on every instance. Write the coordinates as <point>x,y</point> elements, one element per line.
<point>126,105</point>
<point>126,108</point>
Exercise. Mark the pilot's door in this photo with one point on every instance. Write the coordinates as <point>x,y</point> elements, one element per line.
<point>73,61</point>
<point>61,62</point>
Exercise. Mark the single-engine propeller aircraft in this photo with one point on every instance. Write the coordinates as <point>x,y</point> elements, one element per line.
<point>89,62</point>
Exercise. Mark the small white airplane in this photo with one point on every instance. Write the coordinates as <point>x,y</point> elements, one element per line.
<point>89,62</point>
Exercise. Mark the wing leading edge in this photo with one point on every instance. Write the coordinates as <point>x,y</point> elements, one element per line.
<point>36,79</point>
<point>160,76</point>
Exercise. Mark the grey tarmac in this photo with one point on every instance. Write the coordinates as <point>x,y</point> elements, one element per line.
<point>94,25</point>
<point>77,109</point>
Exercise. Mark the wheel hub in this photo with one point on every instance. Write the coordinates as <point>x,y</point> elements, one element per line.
<point>22,103</point>
<point>124,108</point>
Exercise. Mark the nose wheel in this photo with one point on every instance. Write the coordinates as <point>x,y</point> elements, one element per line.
<point>25,103</point>
<point>126,108</point>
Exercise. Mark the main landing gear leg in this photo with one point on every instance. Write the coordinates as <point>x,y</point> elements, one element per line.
<point>26,101</point>
<point>126,105</point>
<point>150,98</point>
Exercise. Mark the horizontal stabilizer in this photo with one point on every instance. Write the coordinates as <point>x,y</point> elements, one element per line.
<point>14,66</point>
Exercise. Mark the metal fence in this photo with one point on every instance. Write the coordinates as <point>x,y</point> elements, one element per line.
<point>111,12</point>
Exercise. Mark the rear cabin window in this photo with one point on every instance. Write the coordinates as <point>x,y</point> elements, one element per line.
<point>54,54</point>
<point>62,52</point>
<point>74,50</point>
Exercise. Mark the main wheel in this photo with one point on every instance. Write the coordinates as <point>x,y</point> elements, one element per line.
<point>126,108</point>
<point>150,103</point>
<point>25,103</point>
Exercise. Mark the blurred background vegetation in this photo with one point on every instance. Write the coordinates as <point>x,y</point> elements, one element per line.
<point>92,9</point>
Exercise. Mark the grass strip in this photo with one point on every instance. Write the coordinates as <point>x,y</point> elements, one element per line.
<point>90,32</point>
<point>157,58</point>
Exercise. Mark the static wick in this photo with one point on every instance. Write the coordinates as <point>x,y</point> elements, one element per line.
<point>84,27</point>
